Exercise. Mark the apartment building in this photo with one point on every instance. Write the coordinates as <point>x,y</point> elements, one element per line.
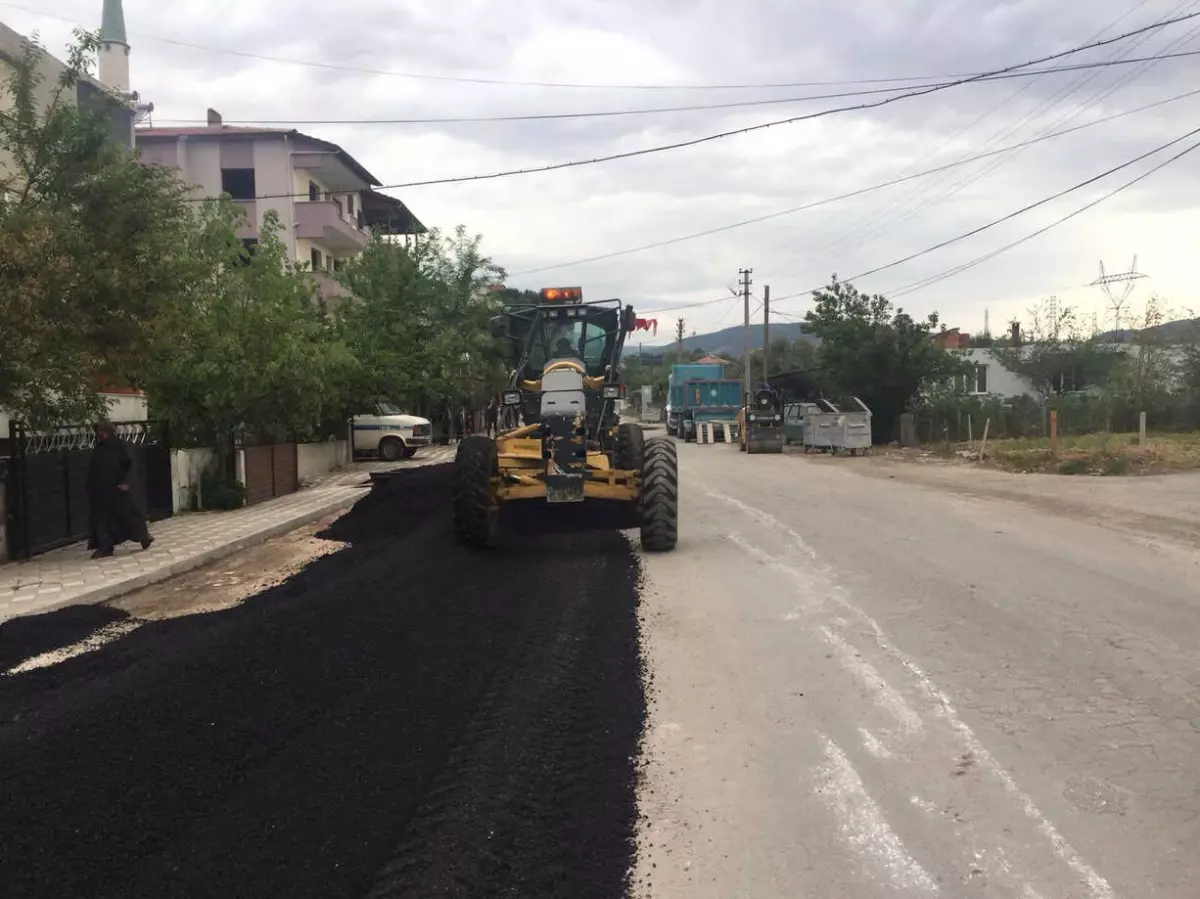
<point>324,198</point>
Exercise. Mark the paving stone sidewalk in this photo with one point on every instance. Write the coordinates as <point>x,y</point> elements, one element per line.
<point>69,576</point>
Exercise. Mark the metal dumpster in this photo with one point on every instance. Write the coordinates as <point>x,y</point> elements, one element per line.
<point>793,420</point>
<point>839,430</point>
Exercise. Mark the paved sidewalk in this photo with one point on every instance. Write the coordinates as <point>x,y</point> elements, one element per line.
<point>69,576</point>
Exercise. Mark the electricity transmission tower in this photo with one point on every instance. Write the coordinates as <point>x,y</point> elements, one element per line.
<point>1119,297</point>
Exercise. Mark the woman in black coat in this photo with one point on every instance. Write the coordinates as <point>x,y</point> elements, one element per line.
<point>115,515</point>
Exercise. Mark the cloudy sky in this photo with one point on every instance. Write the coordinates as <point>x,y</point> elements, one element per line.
<point>353,61</point>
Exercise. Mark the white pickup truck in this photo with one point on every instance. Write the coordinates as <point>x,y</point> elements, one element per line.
<point>388,433</point>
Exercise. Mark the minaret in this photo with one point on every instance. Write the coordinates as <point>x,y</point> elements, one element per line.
<point>114,48</point>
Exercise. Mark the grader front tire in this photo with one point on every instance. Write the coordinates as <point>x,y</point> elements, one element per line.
<point>476,516</point>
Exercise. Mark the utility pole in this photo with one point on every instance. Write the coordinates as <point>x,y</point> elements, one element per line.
<point>1117,299</point>
<point>745,275</point>
<point>679,340</point>
<point>766,333</point>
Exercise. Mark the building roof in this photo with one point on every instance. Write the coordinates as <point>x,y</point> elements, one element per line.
<point>250,131</point>
<point>712,360</point>
<point>112,23</point>
<point>388,215</point>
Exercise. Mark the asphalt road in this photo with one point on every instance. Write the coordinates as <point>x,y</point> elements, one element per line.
<point>401,718</point>
<point>841,684</point>
<point>867,688</point>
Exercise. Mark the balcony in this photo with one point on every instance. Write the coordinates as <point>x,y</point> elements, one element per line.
<point>331,293</point>
<point>326,221</point>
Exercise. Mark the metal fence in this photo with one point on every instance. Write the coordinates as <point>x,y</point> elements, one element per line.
<point>962,418</point>
<point>46,479</point>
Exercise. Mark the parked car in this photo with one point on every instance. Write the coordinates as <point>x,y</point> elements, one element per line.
<point>389,433</point>
<point>793,421</point>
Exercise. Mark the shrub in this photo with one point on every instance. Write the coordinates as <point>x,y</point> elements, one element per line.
<point>219,491</point>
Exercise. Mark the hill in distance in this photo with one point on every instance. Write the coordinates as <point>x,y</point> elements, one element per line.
<point>728,342</point>
<point>1183,329</point>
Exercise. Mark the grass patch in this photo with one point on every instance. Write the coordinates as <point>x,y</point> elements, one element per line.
<point>1097,454</point>
<point>1074,466</point>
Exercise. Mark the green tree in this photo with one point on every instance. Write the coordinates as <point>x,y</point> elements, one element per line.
<point>784,355</point>
<point>512,296</point>
<point>418,327</point>
<point>1151,368</point>
<point>1189,358</point>
<point>877,352</point>
<point>90,249</point>
<point>1058,358</point>
<point>250,351</point>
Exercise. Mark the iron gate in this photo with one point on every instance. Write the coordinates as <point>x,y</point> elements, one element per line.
<point>271,471</point>
<point>47,481</point>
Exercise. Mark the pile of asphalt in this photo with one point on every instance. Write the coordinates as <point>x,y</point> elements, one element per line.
<point>404,717</point>
<point>32,635</point>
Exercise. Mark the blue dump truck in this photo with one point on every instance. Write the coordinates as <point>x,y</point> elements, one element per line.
<point>700,392</point>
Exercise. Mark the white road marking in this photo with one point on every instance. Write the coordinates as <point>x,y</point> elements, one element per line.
<point>90,643</point>
<point>809,601</point>
<point>886,696</point>
<point>863,824</point>
<point>1097,884</point>
<point>874,745</point>
<point>923,804</point>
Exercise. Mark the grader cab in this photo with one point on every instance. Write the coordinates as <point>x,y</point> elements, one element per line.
<point>572,453</point>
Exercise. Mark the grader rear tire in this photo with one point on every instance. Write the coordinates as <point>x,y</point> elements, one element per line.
<point>659,499</point>
<point>476,516</point>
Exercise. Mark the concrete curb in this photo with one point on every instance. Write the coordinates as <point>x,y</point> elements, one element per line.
<point>113,591</point>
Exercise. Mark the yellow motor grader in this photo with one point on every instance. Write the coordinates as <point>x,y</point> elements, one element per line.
<point>572,453</point>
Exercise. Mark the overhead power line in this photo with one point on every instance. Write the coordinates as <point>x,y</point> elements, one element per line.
<point>504,82</point>
<point>663,110</point>
<point>1008,217</point>
<point>854,193</point>
<point>697,305</point>
<point>646,151</point>
<point>871,223</point>
<point>979,260</point>
<point>930,199</point>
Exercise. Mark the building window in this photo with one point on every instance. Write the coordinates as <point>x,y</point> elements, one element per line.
<point>339,264</point>
<point>238,183</point>
<point>316,260</point>
<point>350,205</point>
<point>314,192</point>
<point>1068,380</point>
<point>337,204</point>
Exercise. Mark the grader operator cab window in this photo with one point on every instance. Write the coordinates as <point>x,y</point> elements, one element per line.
<point>587,337</point>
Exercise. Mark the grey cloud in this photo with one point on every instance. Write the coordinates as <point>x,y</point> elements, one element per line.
<point>540,219</point>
